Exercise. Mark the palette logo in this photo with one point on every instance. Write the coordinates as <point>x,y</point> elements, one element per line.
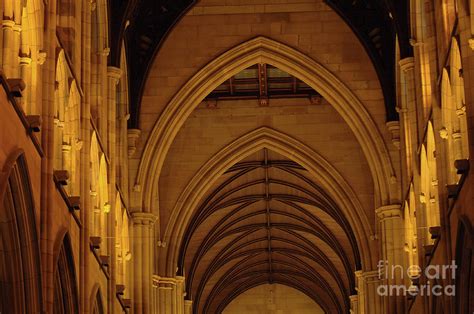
<point>435,273</point>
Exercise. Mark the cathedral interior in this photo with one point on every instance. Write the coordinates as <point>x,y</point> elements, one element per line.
<point>236,156</point>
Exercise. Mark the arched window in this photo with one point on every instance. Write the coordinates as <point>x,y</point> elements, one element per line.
<point>122,244</point>
<point>104,204</point>
<point>94,188</point>
<point>453,109</point>
<point>72,143</point>
<point>99,193</point>
<point>67,125</point>
<point>65,287</point>
<point>410,230</point>
<point>97,303</point>
<point>20,273</point>
<point>429,183</point>
<point>458,98</point>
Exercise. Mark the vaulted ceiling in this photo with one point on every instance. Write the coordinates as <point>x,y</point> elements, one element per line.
<point>266,221</point>
<point>144,24</point>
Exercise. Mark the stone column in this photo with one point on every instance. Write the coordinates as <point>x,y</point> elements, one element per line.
<point>354,299</point>
<point>113,77</point>
<point>188,307</point>
<point>25,74</point>
<point>393,266</point>
<point>142,261</point>
<point>16,50</point>
<point>407,110</point>
<point>171,294</point>
<point>180,293</point>
<point>8,56</point>
<point>369,300</point>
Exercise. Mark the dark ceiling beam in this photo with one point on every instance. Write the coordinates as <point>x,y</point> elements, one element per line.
<point>225,256</point>
<point>346,226</point>
<point>203,249</point>
<point>213,237</point>
<point>304,222</point>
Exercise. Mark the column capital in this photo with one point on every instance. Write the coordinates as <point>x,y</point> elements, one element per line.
<point>142,218</point>
<point>164,282</point>
<point>114,73</point>
<point>389,211</point>
<point>407,64</point>
<point>25,61</point>
<point>8,23</point>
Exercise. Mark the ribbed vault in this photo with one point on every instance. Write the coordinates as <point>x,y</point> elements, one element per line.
<point>266,221</point>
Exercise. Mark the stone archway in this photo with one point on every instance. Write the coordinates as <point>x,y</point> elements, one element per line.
<point>268,51</point>
<point>20,264</point>
<point>329,179</point>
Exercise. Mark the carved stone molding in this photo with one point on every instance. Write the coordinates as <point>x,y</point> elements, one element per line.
<point>394,129</point>
<point>389,211</point>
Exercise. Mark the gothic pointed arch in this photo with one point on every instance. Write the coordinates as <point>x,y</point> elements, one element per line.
<point>66,297</point>
<point>20,264</point>
<point>264,50</point>
<point>329,180</point>
<point>97,302</point>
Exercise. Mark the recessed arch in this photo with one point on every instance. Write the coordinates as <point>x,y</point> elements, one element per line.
<point>264,50</point>
<point>328,178</point>
<point>20,263</point>
<point>97,304</point>
<point>66,297</point>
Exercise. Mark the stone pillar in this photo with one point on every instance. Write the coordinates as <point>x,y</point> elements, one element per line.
<point>25,74</point>
<point>407,110</point>
<point>16,50</point>
<point>113,77</point>
<point>369,300</point>
<point>354,299</point>
<point>188,307</point>
<point>142,261</point>
<point>180,294</point>
<point>171,294</point>
<point>393,266</point>
<point>8,55</point>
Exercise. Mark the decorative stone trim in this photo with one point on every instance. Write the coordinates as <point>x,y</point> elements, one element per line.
<point>407,64</point>
<point>133,137</point>
<point>114,73</point>
<point>142,218</point>
<point>389,212</point>
<point>394,129</point>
